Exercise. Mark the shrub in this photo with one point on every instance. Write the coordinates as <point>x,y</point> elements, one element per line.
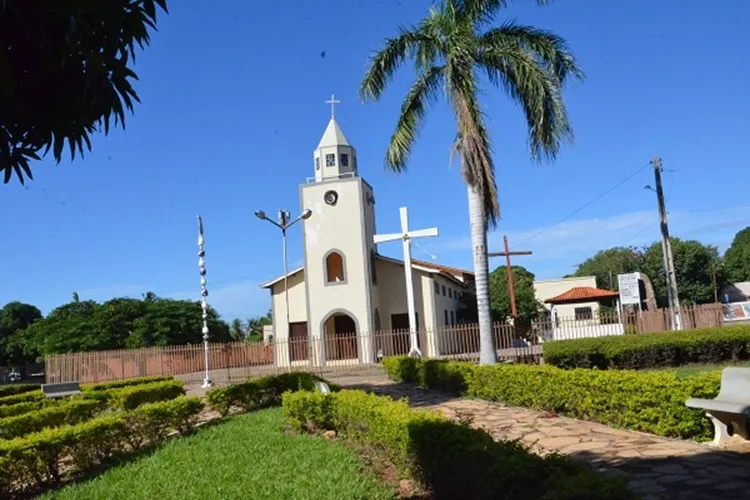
<point>260,393</point>
<point>117,384</point>
<point>452,460</point>
<point>33,461</point>
<point>651,350</point>
<point>22,398</point>
<point>69,412</point>
<point>642,401</point>
<point>10,390</point>
<point>130,397</point>
<point>21,408</point>
<point>152,423</point>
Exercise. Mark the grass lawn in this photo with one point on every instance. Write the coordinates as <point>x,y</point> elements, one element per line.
<point>248,456</point>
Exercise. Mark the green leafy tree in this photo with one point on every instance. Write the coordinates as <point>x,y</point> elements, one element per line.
<point>607,264</point>
<point>453,47</point>
<point>237,329</point>
<point>83,326</point>
<point>693,263</point>
<point>526,304</point>
<point>14,317</point>
<point>254,327</point>
<point>65,73</point>
<point>737,257</point>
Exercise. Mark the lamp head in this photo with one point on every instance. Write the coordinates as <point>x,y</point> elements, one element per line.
<point>261,214</point>
<point>306,214</point>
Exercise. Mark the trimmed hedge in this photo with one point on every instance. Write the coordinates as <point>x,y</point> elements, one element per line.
<point>118,384</point>
<point>652,350</point>
<point>260,393</point>
<point>10,390</point>
<point>131,397</point>
<point>21,408</point>
<point>651,402</point>
<point>451,460</point>
<point>65,413</point>
<point>31,462</point>
<point>22,398</point>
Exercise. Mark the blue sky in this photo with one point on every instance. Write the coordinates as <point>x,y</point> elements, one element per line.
<point>232,108</point>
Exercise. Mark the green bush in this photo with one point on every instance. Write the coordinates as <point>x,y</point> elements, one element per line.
<point>22,398</point>
<point>117,384</point>
<point>33,461</point>
<point>260,393</point>
<point>652,350</point>
<point>10,390</point>
<point>451,460</point>
<point>131,397</point>
<point>21,408</point>
<point>65,413</point>
<point>651,402</point>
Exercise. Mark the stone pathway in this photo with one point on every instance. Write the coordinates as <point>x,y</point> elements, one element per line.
<point>655,467</point>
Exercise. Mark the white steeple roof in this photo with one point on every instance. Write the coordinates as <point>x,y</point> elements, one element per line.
<point>333,136</point>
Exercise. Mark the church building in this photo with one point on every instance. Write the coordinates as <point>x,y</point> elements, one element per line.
<point>346,291</point>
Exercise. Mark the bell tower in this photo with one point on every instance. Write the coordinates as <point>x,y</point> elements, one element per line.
<point>340,252</point>
<point>335,158</point>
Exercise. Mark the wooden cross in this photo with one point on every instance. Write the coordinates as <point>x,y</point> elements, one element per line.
<point>405,236</point>
<point>511,287</point>
<point>333,102</point>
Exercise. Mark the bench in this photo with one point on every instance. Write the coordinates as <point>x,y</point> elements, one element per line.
<point>730,410</point>
<point>61,390</point>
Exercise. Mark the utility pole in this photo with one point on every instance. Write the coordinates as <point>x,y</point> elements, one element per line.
<point>672,294</point>
<point>511,286</point>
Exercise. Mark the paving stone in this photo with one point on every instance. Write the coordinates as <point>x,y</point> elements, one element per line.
<point>656,467</point>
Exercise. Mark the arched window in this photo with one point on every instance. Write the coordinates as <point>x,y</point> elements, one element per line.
<point>335,272</point>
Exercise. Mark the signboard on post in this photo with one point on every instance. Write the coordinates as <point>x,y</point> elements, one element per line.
<point>630,292</point>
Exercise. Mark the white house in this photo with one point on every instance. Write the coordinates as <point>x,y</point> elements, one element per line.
<point>346,290</point>
<point>573,307</point>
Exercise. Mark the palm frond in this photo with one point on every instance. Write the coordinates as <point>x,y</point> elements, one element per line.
<point>550,49</point>
<point>473,143</point>
<point>424,91</point>
<point>387,61</point>
<point>481,12</point>
<point>537,90</point>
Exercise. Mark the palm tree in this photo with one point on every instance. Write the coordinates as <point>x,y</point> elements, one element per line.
<point>236,330</point>
<point>451,50</point>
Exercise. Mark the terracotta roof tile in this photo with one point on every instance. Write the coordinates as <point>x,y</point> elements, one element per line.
<point>582,294</point>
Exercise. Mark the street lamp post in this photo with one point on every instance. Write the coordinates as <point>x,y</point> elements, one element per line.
<point>204,305</point>
<point>284,224</point>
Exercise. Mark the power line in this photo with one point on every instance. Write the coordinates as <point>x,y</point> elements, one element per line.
<point>586,205</point>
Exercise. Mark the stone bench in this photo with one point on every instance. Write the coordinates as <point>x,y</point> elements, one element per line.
<point>730,410</point>
<point>61,390</point>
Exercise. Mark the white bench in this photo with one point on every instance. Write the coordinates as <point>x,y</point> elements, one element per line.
<point>730,410</point>
<point>61,390</point>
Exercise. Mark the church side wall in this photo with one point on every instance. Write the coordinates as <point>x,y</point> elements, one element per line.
<point>297,313</point>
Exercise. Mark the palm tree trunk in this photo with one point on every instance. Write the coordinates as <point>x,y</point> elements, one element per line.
<point>478,223</point>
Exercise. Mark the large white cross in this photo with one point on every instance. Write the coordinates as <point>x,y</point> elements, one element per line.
<point>405,235</point>
<point>333,102</point>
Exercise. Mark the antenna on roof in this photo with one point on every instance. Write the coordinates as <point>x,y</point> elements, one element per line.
<point>432,256</point>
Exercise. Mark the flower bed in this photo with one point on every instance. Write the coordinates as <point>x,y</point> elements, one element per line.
<point>450,460</point>
<point>642,401</point>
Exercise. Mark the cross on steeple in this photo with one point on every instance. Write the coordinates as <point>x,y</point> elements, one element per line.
<point>333,102</point>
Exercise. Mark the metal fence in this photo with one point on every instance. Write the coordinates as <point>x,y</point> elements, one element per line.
<point>348,352</point>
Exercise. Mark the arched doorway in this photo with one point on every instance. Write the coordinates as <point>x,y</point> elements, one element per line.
<point>340,330</point>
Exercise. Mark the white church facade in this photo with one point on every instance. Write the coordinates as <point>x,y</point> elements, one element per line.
<point>346,291</point>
